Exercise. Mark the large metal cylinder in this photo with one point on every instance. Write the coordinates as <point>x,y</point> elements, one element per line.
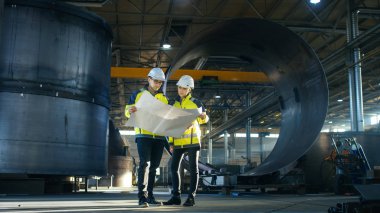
<point>54,81</point>
<point>293,68</point>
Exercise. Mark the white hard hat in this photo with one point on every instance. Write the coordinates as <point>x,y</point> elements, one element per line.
<point>186,81</point>
<point>157,74</point>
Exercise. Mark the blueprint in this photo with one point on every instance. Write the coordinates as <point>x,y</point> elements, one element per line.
<point>160,118</point>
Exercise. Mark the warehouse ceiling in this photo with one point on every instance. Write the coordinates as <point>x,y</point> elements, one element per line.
<point>141,27</point>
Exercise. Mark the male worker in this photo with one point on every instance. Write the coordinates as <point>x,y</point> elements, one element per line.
<point>149,145</point>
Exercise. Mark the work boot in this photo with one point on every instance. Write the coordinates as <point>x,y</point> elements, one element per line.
<point>143,202</point>
<point>174,200</point>
<point>151,200</point>
<point>189,202</point>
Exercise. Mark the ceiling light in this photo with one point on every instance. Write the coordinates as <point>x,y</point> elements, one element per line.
<point>217,96</point>
<point>315,1</point>
<point>127,132</point>
<point>375,119</point>
<point>166,46</point>
<point>340,100</point>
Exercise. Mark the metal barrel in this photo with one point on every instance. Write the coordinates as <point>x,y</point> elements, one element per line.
<point>293,68</point>
<point>54,89</point>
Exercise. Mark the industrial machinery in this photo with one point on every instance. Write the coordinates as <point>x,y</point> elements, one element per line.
<point>351,164</point>
<point>369,201</point>
<point>352,175</point>
<point>289,179</point>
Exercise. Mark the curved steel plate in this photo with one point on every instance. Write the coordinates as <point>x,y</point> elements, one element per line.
<point>291,65</point>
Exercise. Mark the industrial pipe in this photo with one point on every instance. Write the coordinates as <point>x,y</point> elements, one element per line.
<point>54,89</point>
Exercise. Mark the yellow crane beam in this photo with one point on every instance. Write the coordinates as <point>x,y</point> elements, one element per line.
<point>222,76</point>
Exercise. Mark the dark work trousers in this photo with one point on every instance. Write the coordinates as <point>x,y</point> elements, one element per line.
<point>150,152</point>
<point>193,153</point>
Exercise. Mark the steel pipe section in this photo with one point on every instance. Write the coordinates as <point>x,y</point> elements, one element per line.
<point>54,89</point>
<point>293,68</point>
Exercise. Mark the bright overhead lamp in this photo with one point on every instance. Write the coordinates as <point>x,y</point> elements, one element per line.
<point>217,96</point>
<point>166,46</point>
<point>315,1</point>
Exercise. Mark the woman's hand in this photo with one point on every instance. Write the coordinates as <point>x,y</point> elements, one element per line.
<point>132,109</point>
<point>202,116</point>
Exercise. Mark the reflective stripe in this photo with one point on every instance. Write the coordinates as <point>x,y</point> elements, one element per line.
<point>185,141</point>
<point>185,136</point>
<point>191,139</point>
<point>145,132</point>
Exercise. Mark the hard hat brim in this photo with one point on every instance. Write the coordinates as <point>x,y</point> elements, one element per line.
<point>159,79</point>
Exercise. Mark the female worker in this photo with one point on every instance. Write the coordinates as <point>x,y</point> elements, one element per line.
<point>189,142</point>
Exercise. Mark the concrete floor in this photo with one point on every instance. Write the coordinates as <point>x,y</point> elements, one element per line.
<point>125,200</point>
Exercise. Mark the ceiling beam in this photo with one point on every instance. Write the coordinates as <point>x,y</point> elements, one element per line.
<point>93,3</point>
<point>222,76</point>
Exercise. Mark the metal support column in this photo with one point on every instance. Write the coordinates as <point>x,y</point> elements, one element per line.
<point>248,131</point>
<point>209,151</point>
<point>226,138</point>
<point>120,88</point>
<point>75,183</point>
<point>1,15</point>
<point>261,138</point>
<point>354,73</point>
<point>233,146</point>
<point>262,135</point>
<point>86,184</point>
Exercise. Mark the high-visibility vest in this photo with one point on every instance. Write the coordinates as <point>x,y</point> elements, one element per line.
<point>139,132</point>
<point>192,135</point>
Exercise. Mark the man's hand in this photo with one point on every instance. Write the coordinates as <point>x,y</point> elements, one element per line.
<point>191,125</point>
<point>132,109</point>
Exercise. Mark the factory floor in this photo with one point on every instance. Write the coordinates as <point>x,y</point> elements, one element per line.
<point>124,199</point>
